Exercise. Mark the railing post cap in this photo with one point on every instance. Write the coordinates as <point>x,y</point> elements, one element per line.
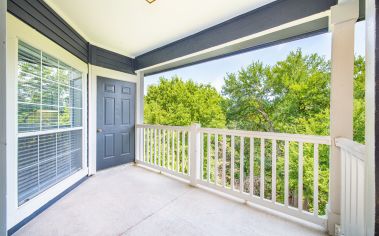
<point>196,125</point>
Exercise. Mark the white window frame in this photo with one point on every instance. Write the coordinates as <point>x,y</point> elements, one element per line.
<point>17,30</point>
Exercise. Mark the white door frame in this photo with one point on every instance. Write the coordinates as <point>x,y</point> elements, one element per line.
<point>94,72</point>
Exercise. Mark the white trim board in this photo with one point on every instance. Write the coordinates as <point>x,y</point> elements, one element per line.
<point>94,72</point>
<point>17,30</point>
<point>3,157</point>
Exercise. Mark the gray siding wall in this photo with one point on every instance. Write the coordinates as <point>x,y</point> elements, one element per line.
<point>111,60</point>
<point>41,17</point>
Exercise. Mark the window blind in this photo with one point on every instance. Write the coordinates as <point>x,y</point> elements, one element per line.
<point>49,121</point>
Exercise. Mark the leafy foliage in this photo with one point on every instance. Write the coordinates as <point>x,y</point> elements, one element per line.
<point>175,102</point>
<point>292,96</point>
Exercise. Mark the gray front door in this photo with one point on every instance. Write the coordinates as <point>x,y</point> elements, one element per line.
<point>115,122</point>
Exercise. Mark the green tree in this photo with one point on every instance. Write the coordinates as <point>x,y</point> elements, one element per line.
<point>292,96</point>
<point>359,99</point>
<point>282,98</point>
<point>176,102</point>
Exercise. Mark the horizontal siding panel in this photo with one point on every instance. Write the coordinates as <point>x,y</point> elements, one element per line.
<point>59,22</point>
<point>36,9</point>
<point>117,64</point>
<point>111,60</point>
<point>33,16</point>
<point>117,61</point>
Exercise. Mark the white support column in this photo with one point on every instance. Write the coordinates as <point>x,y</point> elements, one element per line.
<point>194,154</point>
<point>139,115</point>
<point>3,179</point>
<point>342,24</point>
<point>370,116</point>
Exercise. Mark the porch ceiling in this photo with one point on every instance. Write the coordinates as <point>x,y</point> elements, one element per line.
<point>133,27</point>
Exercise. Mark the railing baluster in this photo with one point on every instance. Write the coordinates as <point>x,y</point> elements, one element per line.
<point>209,157</point>
<point>232,163</point>
<point>251,166</point>
<point>183,149</point>
<point>344,174</point>
<point>242,140</point>
<point>144,145</point>
<point>173,150</point>
<point>262,177</point>
<point>286,172</point>
<point>273,192</point>
<point>189,153</point>
<point>168,149</point>
<point>147,146</point>
<point>300,202</point>
<point>151,146</point>
<point>164,149</point>
<point>159,148</point>
<point>155,146</point>
<point>224,160</point>
<point>216,158</point>
<point>353,194</point>
<point>315,179</point>
<point>177,150</point>
<point>201,155</point>
<point>348,180</point>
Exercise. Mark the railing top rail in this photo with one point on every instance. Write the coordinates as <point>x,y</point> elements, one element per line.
<point>166,127</point>
<point>256,134</point>
<point>356,149</point>
<point>271,135</point>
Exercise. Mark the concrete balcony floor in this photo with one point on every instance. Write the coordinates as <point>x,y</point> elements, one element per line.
<point>130,200</point>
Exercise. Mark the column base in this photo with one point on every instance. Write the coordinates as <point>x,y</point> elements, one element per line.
<point>333,220</point>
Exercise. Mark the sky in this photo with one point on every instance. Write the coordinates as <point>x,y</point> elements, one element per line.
<point>213,72</point>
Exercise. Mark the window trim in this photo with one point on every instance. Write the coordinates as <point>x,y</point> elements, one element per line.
<point>17,30</point>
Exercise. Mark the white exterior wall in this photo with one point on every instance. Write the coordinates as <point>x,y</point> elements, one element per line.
<point>370,116</point>
<point>3,177</point>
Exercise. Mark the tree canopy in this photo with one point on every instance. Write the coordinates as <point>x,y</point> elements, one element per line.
<point>291,96</point>
<point>176,102</point>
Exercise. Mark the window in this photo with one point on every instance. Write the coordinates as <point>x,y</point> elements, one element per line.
<point>49,121</point>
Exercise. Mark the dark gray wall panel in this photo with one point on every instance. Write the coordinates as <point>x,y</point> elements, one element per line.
<point>263,18</point>
<point>110,60</point>
<point>38,15</point>
<point>41,17</point>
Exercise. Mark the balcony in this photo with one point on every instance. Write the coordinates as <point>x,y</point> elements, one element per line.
<point>73,104</point>
<point>172,189</point>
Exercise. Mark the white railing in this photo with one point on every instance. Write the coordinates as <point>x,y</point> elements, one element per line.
<point>260,167</point>
<point>165,148</point>
<point>352,187</point>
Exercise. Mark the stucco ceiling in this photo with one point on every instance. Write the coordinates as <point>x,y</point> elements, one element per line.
<point>133,27</point>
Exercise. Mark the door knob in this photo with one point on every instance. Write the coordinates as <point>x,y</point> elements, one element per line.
<point>99,130</point>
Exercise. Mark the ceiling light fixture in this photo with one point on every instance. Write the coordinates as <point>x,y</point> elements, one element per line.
<point>150,1</point>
